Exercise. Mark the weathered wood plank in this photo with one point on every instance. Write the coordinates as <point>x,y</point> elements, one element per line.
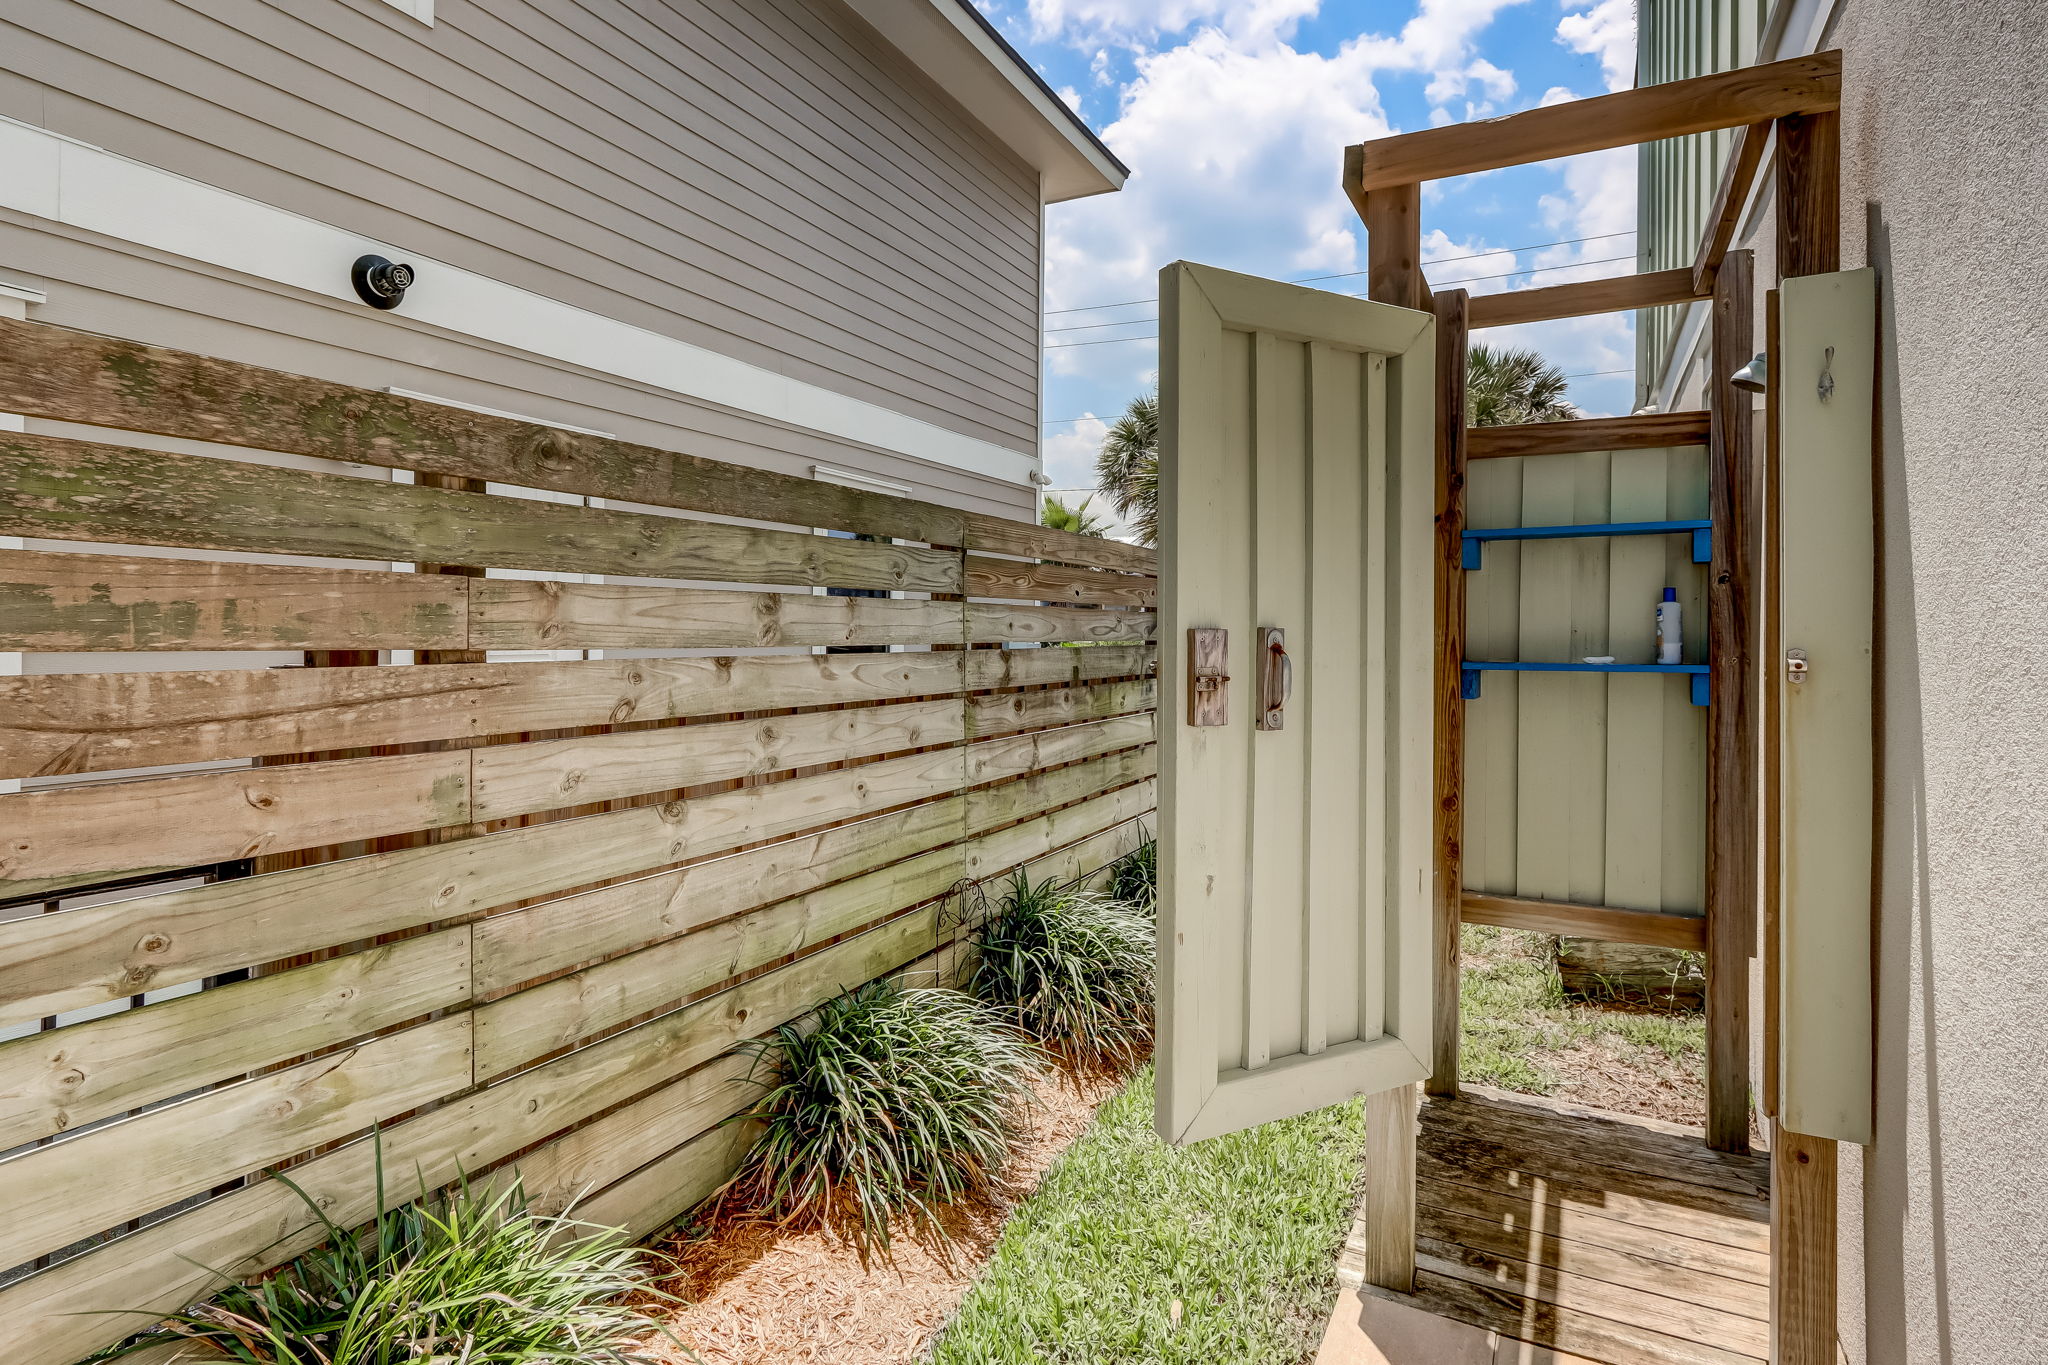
<point>53,1082</point>
<point>526,944</point>
<point>1503,1309</point>
<point>1024,754</point>
<point>518,779</point>
<point>519,1027</point>
<point>1643,432</point>
<point>57,1193</point>
<point>1615,295</point>
<point>649,1200</point>
<point>1000,535</point>
<point>562,1012</point>
<point>1591,921</point>
<point>1648,113</point>
<point>1003,712</point>
<point>87,722</point>
<point>1389,1204</point>
<point>70,835</point>
<point>519,614</point>
<point>1000,668</point>
<point>64,489</point>
<point>108,602</point>
<point>86,956</point>
<point>1586,1226</point>
<point>988,807</point>
<point>1021,578</point>
<point>48,371</point>
<point>1667,1313</point>
<point>563,1175</point>
<point>1547,1247</point>
<point>170,1263</point>
<point>67,836</point>
<point>1453,1161</point>
<point>991,622</point>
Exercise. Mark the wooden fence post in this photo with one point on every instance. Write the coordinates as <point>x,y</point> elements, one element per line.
<point>1393,223</point>
<point>1732,772</point>
<point>1453,335</point>
<point>1803,1169</point>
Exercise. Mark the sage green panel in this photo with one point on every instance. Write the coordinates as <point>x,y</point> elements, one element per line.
<point>1586,787</point>
<point>1826,371</point>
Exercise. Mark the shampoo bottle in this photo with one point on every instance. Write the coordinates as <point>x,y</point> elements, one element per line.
<point>1670,635</point>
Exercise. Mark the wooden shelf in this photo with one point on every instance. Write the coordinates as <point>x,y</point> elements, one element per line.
<point>1702,536</point>
<point>1471,669</point>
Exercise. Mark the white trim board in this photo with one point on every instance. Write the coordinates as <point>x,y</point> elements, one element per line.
<point>67,181</point>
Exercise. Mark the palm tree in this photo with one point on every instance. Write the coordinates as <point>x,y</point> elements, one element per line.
<point>1510,386</point>
<point>1078,520</point>
<point>1127,467</point>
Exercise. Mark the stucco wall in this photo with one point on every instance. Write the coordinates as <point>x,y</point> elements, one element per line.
<point>1945,191</point>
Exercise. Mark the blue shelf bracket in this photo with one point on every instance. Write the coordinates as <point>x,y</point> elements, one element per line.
<point>1469,674</point>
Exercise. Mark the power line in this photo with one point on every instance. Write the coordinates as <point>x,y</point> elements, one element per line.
<point>1064,421</point>
<point>1465,279</point>
<point>1349,274</point>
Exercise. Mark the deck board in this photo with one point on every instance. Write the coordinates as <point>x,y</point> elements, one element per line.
<point>1575,1235</point>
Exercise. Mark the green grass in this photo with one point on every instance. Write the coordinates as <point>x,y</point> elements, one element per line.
<point>1521,1032</point>
<point>1221,1253</point>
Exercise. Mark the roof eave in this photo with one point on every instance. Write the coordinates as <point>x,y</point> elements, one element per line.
<point>960,52</point>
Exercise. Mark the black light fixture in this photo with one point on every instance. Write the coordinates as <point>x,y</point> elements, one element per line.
<point>380,283</point>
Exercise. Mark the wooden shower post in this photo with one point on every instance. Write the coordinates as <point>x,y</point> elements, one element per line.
<point>1453,335</point>
<point>1393,224</point>
<point>1733,779</point>
<point>1803,1169</point>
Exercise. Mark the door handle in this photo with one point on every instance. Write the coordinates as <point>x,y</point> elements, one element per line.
<point>1276,678</point>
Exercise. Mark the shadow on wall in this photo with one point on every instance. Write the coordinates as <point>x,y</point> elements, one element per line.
<point>1905,912</point>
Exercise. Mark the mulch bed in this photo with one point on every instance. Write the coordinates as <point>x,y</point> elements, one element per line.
<point>758,1295</point>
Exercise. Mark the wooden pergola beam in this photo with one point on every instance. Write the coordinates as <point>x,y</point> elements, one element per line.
<point>1649,431</point>
<point>1731,99</point>
<point>1722,219</point>
<point>1587,296</point>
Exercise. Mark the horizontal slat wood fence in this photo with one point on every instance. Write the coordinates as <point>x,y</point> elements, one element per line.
<point>510,915</point>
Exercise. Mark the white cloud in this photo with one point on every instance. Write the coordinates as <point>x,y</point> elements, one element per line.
<point>1235,140</point>
<point>1236,148</point>
<point>1608,31</point>
<point>1086,22</point>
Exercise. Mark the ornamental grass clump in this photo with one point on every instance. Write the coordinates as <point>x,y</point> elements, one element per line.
<point>470,1278</point>
<point>895,1102</point>
<point>1072,969</point>
<point>1134,878</point>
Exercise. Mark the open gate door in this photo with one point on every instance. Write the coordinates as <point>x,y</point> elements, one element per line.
<point>1296,507</point>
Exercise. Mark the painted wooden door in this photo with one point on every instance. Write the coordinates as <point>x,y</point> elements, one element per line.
<point>1295,495</point>
<point>1826,364</point>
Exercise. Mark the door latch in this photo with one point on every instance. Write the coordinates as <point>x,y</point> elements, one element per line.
<point>1208,676</point>
<point>1276,678</point>
<point>1795,666</point>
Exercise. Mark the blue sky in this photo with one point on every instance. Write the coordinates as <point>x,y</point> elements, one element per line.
<point>1233,116</point>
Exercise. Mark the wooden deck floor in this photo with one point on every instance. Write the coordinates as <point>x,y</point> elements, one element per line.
<point>1558,1236</point>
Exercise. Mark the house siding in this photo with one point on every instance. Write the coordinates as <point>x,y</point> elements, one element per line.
<point>757,177</point>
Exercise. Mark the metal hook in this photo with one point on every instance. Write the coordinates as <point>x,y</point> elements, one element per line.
<point>1826,387</point>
